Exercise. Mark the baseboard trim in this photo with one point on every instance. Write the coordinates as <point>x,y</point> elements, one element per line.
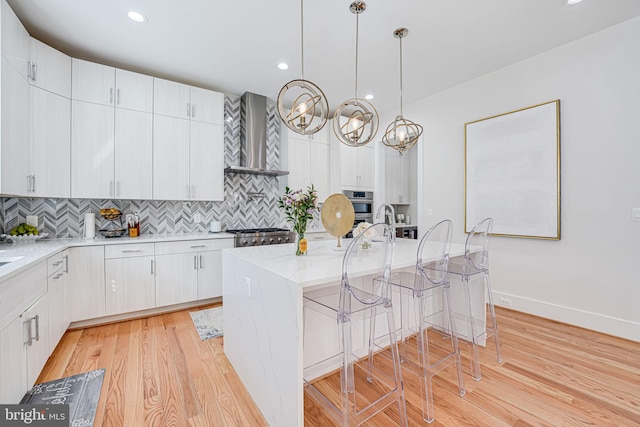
<point>585,319</point>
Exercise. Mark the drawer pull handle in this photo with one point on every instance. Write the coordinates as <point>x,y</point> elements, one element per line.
<point>197,246</point>
<point>55,264</point>
<point>195,262</point>
<point>126,251</point>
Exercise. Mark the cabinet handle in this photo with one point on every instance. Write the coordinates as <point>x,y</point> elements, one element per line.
<point>34,73</point>
<point>152,267</point>
<point>29,340</point>
<point>118,96</point>
<point>193,110</point>
<point>201,262</point>
<point>57,276</point>
<point>37,318</point>
<point>33,186</point>
<point>197,246</point>
<point>55,264</point>
<point>110,95</point>
<point>124,251</point>
<point>188,110</point>
<point>28,183</point>
<point>30,70</point>
<point>66,263</point>
<point>195,262</point>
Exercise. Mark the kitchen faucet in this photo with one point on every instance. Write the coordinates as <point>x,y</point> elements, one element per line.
<point>390,213</point>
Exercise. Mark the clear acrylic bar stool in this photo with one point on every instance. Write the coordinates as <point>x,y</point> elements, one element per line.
<point>472,268</point>
<point>429,289</point>
<point>353,303</point>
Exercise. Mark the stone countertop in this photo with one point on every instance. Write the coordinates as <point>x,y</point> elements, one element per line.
<point>33,252</point>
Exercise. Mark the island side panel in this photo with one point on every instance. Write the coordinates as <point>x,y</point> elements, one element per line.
<point>263,337</point>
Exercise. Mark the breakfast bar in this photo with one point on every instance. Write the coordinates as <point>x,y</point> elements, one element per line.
<point>263,316</point>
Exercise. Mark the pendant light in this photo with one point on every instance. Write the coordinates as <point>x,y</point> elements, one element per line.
<point>355,121</point>
<point>401,134</point>
<point>309,106</point>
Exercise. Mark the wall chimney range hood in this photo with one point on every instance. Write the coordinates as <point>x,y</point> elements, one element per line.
<point>253,137</point>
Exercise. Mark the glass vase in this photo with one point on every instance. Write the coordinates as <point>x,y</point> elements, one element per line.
<point>301,244</point>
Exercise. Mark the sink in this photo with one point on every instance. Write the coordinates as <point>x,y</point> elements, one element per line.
<point>9,259</point>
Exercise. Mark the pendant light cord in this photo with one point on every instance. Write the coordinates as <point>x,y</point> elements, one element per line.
<point>401,113</point>
<point>357,21</point>
<point>302,36</point>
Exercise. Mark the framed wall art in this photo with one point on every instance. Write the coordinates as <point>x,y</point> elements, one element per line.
<point>512,172</point>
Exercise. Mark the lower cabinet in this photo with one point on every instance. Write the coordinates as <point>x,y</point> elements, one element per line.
<point>189,270</point>
<point>58,291</point>
<point>35,323</point>
<point>130,278</point>
<point>12,363</point>
<point>86,283</point>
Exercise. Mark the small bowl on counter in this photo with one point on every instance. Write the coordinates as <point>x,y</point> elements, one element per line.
<point>114,232</point>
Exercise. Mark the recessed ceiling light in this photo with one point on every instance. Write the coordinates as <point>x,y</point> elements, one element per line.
<point>570,2</point>
<point>283,66</point>
<point>368,96</point>
<point>136,16</point>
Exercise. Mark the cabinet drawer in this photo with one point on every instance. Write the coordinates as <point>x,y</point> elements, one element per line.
<point>192,246</point>
<point>128,250</point>
<point>55,263</point>
<point>19,292</point>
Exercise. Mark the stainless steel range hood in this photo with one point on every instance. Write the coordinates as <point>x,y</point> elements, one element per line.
<point>253,137</point>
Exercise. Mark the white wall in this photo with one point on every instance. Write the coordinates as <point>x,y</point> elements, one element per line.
<point>591,276</point>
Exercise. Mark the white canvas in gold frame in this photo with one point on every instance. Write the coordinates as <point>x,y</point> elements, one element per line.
<point>512,172</point>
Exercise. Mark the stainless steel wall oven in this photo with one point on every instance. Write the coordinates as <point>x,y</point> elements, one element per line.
<point>362,202</point>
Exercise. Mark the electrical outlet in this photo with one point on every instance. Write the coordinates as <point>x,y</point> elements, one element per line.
<point>197,218</point>
<point>247,281</point>
<point>32,220</point>
<point>505,302</point>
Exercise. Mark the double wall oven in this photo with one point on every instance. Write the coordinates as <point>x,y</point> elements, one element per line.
<point>362,202</point>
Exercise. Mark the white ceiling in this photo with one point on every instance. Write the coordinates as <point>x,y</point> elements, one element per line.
<point>234,46</point>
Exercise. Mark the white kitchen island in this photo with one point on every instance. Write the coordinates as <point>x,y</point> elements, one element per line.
<point>263,322</point>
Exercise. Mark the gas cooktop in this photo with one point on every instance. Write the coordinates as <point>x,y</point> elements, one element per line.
<point>261,236</point>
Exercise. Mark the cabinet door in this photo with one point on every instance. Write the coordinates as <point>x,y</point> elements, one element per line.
<point>92,134</point>
<point>35,321</point>
<point>92,82</point>
<point>209,274</point>
<point>86,283</point>
<point>134,91</point>
<point>349,166</point>
<point>15,131</point>
<point>206,172</point>
<point>50,150</point>
<point>133,154</point>
<point>171,99</point>
<point>319,168</point>
<point>299,162</point>
<point>130,284</point>
<point>12,363</point>
<point>170,158</point>
<point>391,179</point>
<point>15,42</point>
<point>206,106</point>
<point>366,165</point>
<point>176,278</point>
<point>58,308</point>
<point>51,69</point>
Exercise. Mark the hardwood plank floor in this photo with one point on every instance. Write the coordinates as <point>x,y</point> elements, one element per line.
<point>159,373</point>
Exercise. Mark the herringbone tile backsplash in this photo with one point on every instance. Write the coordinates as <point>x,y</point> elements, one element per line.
<point>65,217</point>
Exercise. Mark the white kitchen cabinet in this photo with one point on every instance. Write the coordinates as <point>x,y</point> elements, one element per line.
<point>309,162</point>
<point>86,282</point>
<point>133,154</point>
<point>49,69</point>
<point>92,150</point>
<point>357,166</point>
<point>134,91</point>
<point>15,41</point>
<point>396,179</point>
<point>12,362</point>
<point>182,101</point>
<point>130,278</point>
<point>50,145</point>
<point>58,291</point>
<point>189,270</point>
<point>170,158</point>
<point>35,321</point>
<point>92,82</point>
<point>206,164</point>
<point>14,170</point>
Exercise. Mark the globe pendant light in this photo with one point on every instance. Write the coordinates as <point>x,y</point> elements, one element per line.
<point>401,134</point>
<point>309,106</point>
<point>355,121</point>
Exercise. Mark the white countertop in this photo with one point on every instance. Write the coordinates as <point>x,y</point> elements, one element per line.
<point>35,252</point>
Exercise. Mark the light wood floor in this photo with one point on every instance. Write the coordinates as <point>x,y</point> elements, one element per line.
<point>159,373</point>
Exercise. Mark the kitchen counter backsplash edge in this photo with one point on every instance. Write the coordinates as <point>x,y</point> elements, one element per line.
<point>32,253</point>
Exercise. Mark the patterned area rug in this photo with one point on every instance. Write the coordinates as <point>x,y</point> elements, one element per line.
<point>208,322</point>
<point>81,392</point>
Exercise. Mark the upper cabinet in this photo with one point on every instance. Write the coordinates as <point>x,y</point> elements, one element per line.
<point>112,132</point>
<point>309,162</point>
<point>357,166</point>
<point>396,179</point>
<point>15,41</point>
<point>49,69</point>
<point>187,102</point>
